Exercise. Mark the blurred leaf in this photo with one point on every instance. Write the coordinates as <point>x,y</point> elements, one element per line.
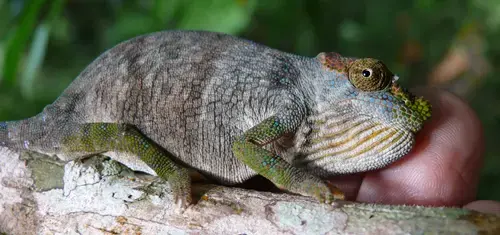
<point>165,10</point>
<point>34,60</point>
<point>19,39</point>
<point>2,52</point>
<point>491,8</point>
<point>37,51</point>
<point>228,16</point>
<point>425,4</point>
<point>305,39</point>
<point>129,25</point>
<point>351,31</point>
<point>61,32</point>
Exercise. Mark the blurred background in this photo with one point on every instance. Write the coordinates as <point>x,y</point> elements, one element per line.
<point>453,44</point>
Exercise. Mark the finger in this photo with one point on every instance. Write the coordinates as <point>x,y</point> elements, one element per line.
<point>442,169</point>
<point>485,206</point>
<point>348,184</point>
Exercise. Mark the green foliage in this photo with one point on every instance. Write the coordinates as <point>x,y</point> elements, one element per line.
<point>19,39</point>
<point>45,44</point>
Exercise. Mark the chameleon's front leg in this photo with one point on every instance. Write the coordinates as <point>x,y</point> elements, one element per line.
<point>248,148</point>
<point>102,137</point>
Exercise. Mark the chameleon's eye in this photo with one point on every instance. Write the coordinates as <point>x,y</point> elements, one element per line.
<point>369,75</point>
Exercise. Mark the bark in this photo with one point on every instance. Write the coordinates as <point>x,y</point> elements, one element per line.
<point>39,195</point>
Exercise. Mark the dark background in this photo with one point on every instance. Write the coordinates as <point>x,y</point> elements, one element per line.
<point>453,44</point>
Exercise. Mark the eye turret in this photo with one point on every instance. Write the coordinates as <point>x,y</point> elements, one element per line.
<point>369,74</point>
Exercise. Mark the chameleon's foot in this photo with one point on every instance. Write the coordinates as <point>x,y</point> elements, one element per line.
<point>181,187</point>
<point>323,192</point>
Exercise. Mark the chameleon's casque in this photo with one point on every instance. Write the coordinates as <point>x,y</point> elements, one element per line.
<point>231,109</point>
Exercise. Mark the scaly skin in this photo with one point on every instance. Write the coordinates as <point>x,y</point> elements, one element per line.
<point>231,109</point>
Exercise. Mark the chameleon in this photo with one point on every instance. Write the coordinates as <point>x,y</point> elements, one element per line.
<point>229,108</point>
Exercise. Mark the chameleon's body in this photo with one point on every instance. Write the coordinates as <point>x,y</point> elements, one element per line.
<point>212,102</point>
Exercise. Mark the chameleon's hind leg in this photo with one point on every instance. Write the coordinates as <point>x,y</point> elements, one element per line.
<point>102,137</point>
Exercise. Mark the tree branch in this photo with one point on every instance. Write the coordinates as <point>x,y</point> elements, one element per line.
<point>39,195</point>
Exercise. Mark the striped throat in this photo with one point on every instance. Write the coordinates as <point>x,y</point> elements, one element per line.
<point>340,144</point>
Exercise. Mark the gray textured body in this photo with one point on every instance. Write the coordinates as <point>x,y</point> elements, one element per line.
<point>190,92</point>
<point>193,93</point>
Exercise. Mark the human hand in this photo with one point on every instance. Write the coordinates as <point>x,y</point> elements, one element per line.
<point>442,169</point>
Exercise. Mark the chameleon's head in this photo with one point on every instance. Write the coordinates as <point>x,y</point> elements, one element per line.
<point>366,87</point>
<point>363,120</point>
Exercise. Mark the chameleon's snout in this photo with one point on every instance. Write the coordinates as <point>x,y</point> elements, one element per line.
<point>420,109</point>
